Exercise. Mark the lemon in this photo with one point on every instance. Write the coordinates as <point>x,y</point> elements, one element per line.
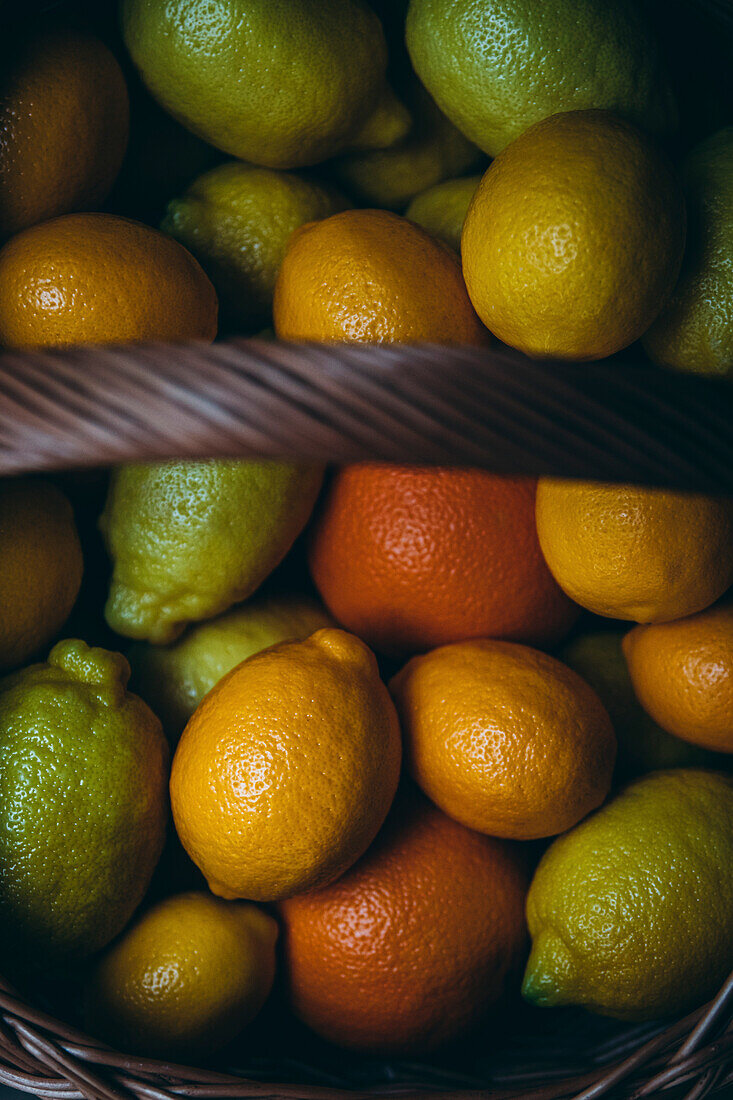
<point>695,332</point>
<point>432,151</point>
<point>174,679</point>
<point>268,81</point>
<point>496,67</point>
<point>573,240</point>
<point>185,980</point>
<point>83,805</point>
<point>442,209</point>
<point>189,539</point>
<point>236,220</point>
<point>643,746</point>
<point>40,567</point>
<point>631,912</point>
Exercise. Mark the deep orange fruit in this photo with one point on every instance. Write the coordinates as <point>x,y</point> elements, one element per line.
<point>416,942</point>
<point>410,558</point>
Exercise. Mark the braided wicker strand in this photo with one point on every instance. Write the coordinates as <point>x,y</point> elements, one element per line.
<point>626,421</point>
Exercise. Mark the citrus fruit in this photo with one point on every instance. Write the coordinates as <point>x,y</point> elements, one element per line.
<point>631,913</point>
<point>682,673</point>
<point>410,558</point>
<point>83,772</point>
<point>442,209</point>
<point>371,275</point>
<point>274,83</point>
<point>643,746</point>
<point>236,220</point>
<point>626,552</point>
<point>287,769</point>
<point>503,738</point>
<point>694,331</point>
<point>498,67</point>
<point>63,126</point>
<point>185,979</point>
<point>416,943</point>
<point>41,567</point>
<point>100,279</point>
<point>573,240</point>
<point>189,539</point>
<point>174,679</point>
<point>431,151</point>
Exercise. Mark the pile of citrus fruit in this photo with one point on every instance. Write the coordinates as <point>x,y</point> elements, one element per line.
<point>397,742</point>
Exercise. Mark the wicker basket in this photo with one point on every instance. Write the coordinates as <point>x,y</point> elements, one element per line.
<point>616,420</point>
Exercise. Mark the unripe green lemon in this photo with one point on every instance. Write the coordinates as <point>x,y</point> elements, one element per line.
<point>631,912</point>
<point>237,220</point>
<point>83,805</point>
<point>189,539</point>
<point>270,81</point>
<point>695,330</point>
<point>495,67</point>
<point>174,679</point>
<point>442,209</point>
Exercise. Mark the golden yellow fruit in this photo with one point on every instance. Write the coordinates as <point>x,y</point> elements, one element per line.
<point>574,238</point>
<point>40,567</point>
<point>185,979</point>
<point>648,555</point>
<point>287,769</point>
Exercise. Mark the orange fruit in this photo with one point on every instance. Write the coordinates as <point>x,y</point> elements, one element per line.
<point>573,240</point>
<point>649,555</point>
<point>415,943</point>
<point>412,557</point>
<point>682,674</point>
<point>63,127</point>
<point>287,769</point>
<point>97,279</point>
<point>371,275</point>
<point>504,739</point>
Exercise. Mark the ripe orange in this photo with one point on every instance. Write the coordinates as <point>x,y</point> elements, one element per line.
<point>415,943</point>
<point>682,674</point>
<point>98,279</point>
<point>649,555</point>
<point>373,276</point>
<point>410,558</point>
<point>287,769</point>
<point>505,739</point>
<point>63,127</point>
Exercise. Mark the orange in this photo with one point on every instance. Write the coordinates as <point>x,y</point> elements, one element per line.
<point>287,769</point>
<point>63,127</point>
<point>682,674</point>
<point>371,275</point>
<point>505,739</point>
<point>413,557</point>
<point>573,240</point>
<point>625,552</point>
<point>96,279</point>
<point>41,567</point>
<point>416,943</point>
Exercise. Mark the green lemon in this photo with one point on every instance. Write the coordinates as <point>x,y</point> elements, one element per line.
<point>695,331</point>
<point>237,220</point>
<point>270,81</point>
<point>643,746</point>
<point>83,805</point>
<point>631,912</point>
<point>433,151</point>
<point>189,539</point>
<point>442,209</point>
<point>174,679</point>
<point>495,67</point>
